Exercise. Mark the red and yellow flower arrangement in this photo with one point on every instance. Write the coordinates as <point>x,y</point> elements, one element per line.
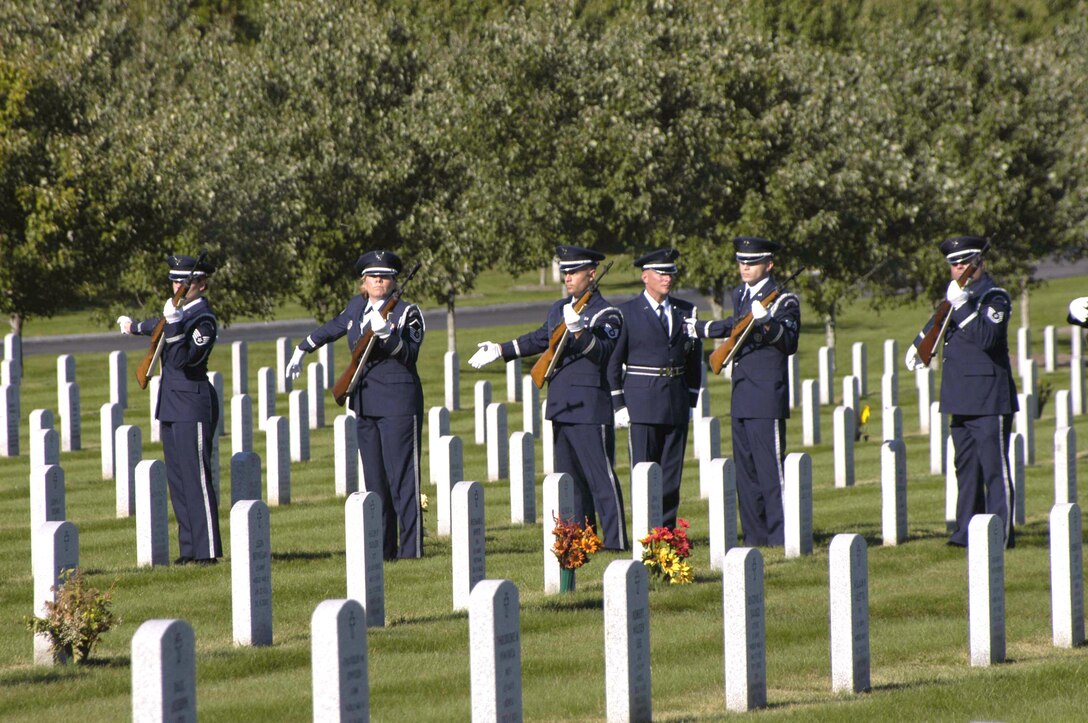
<point>666,552</point>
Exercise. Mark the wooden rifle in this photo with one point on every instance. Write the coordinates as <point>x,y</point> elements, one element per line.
<point>154,352</point>
<point>723,355</point>
<point>545,366</point>
<point>347,382</point>
<point>938,324</point>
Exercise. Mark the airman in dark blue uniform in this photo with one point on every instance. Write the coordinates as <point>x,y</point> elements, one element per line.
<point>760,402</point>
<point>188,410</point>
<point>387,401</point>
<point>977,388</point>
<point>655,372</point>
<point>578,403</point>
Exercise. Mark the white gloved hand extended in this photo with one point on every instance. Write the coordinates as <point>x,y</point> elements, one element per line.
<point>623,418</point>
<point>125,323</point>
<point>170,312</point>
<point>378,324</point>
<point>572,319</point>
<point>689,328</point>
<point>955,295</point>
<point>487,352</point>
<point>759,313</point>
<point>913,361</point>
<point>294,367</point>
<point>1078,309</point>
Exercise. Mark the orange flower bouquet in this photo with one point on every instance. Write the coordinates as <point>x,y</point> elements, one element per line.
<point>666,552</point>
<point>574,544</point>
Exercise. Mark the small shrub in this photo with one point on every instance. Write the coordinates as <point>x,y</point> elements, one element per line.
<point>79,616</point>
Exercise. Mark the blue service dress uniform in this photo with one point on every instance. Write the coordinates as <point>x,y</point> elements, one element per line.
<point>655,371</point>
<point>188,412</point>
<point>580,410</point>
<point>388,405</point>
<point>760,408</point>
<point>978,391</point>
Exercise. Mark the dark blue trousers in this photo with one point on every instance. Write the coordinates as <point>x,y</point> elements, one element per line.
<point>758,450</point>
<point>585,452</point>
<point>187,449</point>
<point>982,472</point>
<point>389,447</point>
<point>664,444</point>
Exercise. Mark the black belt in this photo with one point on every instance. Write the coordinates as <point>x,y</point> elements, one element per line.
<point>655,371</point>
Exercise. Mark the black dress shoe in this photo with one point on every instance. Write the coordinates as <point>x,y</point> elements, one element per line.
<point>954,543</point>
<point>208,561</point>
<point>183,560</point>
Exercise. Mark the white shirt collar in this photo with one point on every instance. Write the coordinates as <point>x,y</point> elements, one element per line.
<point>653,304</point>
<point>753,290</point>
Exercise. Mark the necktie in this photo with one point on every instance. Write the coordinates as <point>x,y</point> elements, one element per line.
<point>662,318</point>
<point>744,298</point>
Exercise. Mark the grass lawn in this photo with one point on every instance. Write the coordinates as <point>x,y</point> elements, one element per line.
<point>419,660</point>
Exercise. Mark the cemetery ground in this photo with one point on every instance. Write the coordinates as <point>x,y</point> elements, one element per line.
<point>419,662</point>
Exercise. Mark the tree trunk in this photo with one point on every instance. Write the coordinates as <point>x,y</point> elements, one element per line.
<point>829,328</point>
<point>451,321</point>
<point>16,321</point>
<point>543,275</point>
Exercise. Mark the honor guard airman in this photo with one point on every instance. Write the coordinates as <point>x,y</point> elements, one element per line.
<point>977,387</point>
<point>578,404</point>
<point>760,402</point>
<point>655,371</point>
<point>388,399</point>
<point>188,409</point>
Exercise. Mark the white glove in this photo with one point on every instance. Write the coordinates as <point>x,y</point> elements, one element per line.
<point>487,352</point>
<point>125,324</point>
<point>759,313</point>
<point>378,324</point>
<point>294,367</point>
<point>689,327</point>
<point>1078,309</point>
<point>623,418</point>
<point>955,295</point>
<point>170,312</point>
<point>913,361</point>
<point>572,319</point>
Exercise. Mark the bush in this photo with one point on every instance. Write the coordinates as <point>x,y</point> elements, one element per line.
<point>78,617</point>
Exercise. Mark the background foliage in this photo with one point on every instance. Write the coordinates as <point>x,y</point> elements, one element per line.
<point>286,137</point>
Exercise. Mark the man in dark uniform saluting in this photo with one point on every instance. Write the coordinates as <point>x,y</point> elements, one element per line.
<point>188,410</point>
<point>654,372</point>
<point>578,392</point>
<point>760,376</point>
<point>977,387</point>
<point>387,401</point>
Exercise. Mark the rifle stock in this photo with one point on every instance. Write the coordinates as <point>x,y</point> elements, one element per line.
<point>154,351</point>
<point>939,321</point>
<point>347,382</point>
<point>724,354</point>
<point>544,367</point>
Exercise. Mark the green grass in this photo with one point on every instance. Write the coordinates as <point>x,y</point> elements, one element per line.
<point>419,661</point>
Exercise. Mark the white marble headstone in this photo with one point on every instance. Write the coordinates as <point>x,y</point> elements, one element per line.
<point>245,477</point>
<point>363,553</point>
<point>71,438</point>
<point>278,461</point>
<point>452,376</point>
<point>530,406</point>
<point>826,360</point>
<point>986,590</point>
<point>241,424</point>
<point>893,492</point>
<point>513,380</point>
<point>494,634</point>
<point>646,503</point>
<point>1065,465</point>
<point>315,397</point>
<point>239,368</point>
<point>558,505</point>
<point>723,511</point>
<point>843,422</point>
<point>810,413</point>
<point>164,672</point>
<point>467,538</point>
<point>860,367</point>
<point>1066,575</point>
<point>55,549</point>
<point>745,630</point>
<point>450,472</point>
<point>498,463</point>
<point>338,661</point>
<point>346,454</point>
<point>522,479</point>
<point>438,425</point>
<point>797,504</point>
<point>119,378</point>
<point>482,399</point>
<point>266,396</point>
<point>300,426</point>
<point>128,451</point>
<point>9,420</point>
<point>848,563</point>
<point>251,573</point>
<point>110,418</point>
<point>627,642</point>
<point>284,349</point>
<point>152,518</point>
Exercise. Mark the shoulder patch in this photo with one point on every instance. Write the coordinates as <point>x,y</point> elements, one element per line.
<point>415,333</point>
<point>610,331</point>
<point>995,315</point>
<point>199,338</point>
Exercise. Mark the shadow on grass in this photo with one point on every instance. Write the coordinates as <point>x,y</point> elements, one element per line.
<point>560,603</point>
<point>399,620</point>
<point>293,556</point>
<point>62,673</point>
